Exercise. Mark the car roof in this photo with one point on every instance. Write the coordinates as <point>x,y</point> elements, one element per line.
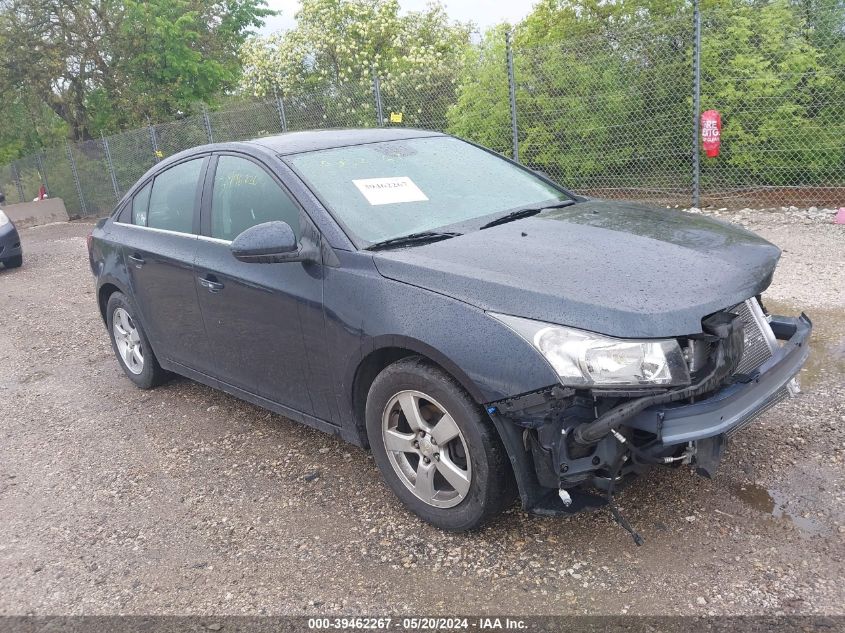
<point>312,140</point>
<point>290,143</point>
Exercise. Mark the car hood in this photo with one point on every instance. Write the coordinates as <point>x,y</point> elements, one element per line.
<point>621,269</point>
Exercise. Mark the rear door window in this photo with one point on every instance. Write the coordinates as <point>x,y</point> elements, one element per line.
<point>173,197</point>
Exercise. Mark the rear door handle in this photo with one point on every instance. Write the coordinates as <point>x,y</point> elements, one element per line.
<point>211,284</point>
<point>137,260</point>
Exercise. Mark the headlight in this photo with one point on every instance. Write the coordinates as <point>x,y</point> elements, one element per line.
<point>584,359</point>
<point>4,219</point>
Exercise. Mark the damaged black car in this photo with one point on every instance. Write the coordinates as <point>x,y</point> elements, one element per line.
<point>485,332</point>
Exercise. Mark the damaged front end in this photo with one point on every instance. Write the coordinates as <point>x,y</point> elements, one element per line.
<point>575,445</point>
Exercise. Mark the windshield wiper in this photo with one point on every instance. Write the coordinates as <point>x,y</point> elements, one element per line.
<point>414,238</point>
<point>524,213</point>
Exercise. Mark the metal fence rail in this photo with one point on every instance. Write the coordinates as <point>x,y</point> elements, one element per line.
<point>611,114</point>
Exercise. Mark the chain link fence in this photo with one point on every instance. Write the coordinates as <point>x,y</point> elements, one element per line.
<point>778,77</point>
<point>609,114</point>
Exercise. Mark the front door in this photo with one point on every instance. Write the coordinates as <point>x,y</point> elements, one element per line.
<point>159,246</point>
<point>258,316</point>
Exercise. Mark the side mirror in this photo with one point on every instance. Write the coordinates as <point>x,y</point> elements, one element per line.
<point>272,243</point>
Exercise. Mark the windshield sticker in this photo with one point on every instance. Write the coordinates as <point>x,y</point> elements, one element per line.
<point>389,190</point>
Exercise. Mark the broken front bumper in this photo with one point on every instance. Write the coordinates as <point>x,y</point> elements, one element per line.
<point>734,406</point>
<point>682,432</point>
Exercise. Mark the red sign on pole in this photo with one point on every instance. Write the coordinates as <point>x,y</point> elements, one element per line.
<point>711,132</point>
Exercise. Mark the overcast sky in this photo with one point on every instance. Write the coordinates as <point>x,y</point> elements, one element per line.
<point>483,12</point>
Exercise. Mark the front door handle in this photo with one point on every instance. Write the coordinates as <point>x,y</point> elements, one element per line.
<point>137,260</point>
<point>211,283</point>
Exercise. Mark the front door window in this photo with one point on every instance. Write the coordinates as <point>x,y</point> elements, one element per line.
<point>246,195</point>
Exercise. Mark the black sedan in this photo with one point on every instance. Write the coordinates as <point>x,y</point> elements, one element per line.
<point>484,331</point>
<point>11,254</point>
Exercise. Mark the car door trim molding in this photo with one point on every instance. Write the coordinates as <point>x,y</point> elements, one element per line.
<point>215,240</point>
<point>193,236</point>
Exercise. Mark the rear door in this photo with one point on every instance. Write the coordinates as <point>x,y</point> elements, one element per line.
<point>159,245</point>
<point>259,317</point>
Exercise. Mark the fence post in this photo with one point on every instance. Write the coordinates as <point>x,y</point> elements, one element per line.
<point>39,161</point>
<point>16,176</point>
<point>512,95</point>
<point>73,171</point>
<point>111,167</point>
<point>696,107</point>
<point>377,95</point>
<point>207,123</point>
<point>280,108</point>
<point>153,141</point>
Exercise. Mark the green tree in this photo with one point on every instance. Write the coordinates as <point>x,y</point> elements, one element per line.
<point>775,72</point>
<point>600,91</point>
<point>183,52</point>
<point>604,92</point>
<point>481,111</point>
<point>98,65</point>
<point>338,46</point>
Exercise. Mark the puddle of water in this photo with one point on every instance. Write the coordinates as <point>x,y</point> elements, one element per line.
<point>774,503</point>
<point>828,359</point>
<point>827,344</point>
<point>756,497</point>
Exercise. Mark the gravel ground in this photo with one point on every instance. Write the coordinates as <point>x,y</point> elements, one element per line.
<point>184,500</point>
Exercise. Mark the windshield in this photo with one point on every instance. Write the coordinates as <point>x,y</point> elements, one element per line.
<point>380,191</point>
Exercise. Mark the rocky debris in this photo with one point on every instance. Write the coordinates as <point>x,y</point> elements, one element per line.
<point>768,216</point>
<point>184,500</point>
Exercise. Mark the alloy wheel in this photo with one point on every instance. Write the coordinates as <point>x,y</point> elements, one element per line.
<point>427,449</point>
<point>127,340</point>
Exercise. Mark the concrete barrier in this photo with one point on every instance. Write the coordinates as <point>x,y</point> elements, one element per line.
<point>27,214</point>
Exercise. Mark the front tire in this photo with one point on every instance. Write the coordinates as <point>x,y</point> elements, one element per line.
<point>435,447</point>
<point>130,343</point>
<point>13,262</point>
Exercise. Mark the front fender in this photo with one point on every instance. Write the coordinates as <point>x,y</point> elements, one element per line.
<point>366,312</point>
<point>412,344</point>
<point>489,360</point>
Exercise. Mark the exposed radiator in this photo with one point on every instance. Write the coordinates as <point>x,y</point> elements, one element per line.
<point>760,342</point>
<point>760,346</point>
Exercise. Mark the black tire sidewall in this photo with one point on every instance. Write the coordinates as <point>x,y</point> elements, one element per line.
<point>488,487</point>
<point>13,262</point>
<point>151,374</point>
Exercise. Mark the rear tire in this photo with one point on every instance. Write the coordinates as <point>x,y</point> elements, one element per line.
<point>444,459</point>
<point>13,262</point>
<point>130,343</point>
